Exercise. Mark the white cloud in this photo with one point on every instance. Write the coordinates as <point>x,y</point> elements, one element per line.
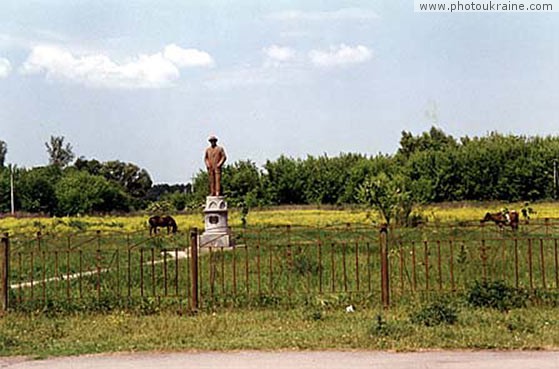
<point>144,71</point>
<point>340,14</point>
<point>5,67</point>
<point>277,56</point>
<point>340,55</point>
<point>279,53</point>
<point>187,57</point>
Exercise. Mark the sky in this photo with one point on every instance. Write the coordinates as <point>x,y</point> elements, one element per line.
<point>148,81</point>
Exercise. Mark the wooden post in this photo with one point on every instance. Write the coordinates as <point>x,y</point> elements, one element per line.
<point>4,272</point>
<point>194,269</point>
<point>384,275</point>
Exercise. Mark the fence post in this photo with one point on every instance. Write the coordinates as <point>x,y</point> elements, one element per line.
<point>194,268</point>
<point>384,275</point>
<point>4,272</point>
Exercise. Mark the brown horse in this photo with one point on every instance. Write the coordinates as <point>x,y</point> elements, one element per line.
<point>157,221</point>
<point>501,220</point>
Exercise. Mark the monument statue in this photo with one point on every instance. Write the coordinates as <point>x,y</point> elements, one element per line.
<point>214,159</point>
<point>216,228</point>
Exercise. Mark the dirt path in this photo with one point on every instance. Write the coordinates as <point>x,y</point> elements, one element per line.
<point>302,360</point>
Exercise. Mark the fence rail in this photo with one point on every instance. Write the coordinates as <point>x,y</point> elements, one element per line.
<point>277,265</point>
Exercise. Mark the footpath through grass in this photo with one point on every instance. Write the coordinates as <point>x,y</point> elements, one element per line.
<point>40,335</point>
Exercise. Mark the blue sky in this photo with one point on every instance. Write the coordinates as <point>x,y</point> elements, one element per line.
<point>149,81</point>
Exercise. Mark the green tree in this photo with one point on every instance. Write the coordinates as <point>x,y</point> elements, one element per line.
<point>60,155</point>
<point>434,140</point>
<point>387,195</point>
<point>4,190</point>
<point>286,180</point>
<point>135,180</point>
<point>3,152</point>
<point>242,183</point>
<point>36,189</point>
<point>79,192</point>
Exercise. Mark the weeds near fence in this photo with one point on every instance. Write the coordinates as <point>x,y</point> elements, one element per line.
<point>280,266</point>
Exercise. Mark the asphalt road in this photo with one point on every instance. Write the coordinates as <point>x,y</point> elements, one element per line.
<point>303,360</point>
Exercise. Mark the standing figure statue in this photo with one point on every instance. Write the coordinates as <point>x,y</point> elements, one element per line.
<point>214,159</point>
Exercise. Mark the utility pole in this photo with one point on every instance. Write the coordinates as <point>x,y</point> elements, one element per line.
<point>12,189</point>
<point>555,179</point>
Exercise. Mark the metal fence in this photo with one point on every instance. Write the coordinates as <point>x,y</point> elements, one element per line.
<point>271,265</point>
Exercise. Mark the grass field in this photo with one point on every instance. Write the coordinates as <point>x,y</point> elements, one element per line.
<point>285,286</point>
<point>304,216</point>
<point>275,329</point>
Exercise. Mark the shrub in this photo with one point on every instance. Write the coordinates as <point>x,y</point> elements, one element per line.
<point>496,295</point>
<point>436,313</point>
<point>384,329</point>
<point>304,265</point>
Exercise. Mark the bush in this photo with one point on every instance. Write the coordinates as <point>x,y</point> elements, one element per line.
<point>304,265</point>
<point>434,314</point>
<point>384,329</point>
<point>496,295</point>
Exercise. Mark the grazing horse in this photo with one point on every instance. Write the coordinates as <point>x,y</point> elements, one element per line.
<point>501,220</point>
<point>164,221</point>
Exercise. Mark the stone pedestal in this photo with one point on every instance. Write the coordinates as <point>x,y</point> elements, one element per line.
<point>216,232</point>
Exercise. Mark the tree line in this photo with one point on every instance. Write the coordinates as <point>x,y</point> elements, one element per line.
<point>429,167</point>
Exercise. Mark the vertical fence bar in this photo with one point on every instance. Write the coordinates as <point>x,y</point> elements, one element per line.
<point>530,271</point>
<point>289,266</point>
<point>369,267</point>
<point>211,271</point>
<point>234,262</point>
<point>44,275</point>
<point>97,263</point>
<point>68,272</point>
<point>80,285</point>
<point>141,272</point>
<point>426,255</point>
<point>152,271</point>
<point>439,265</point>
<point>384,273</point>
<point>483,260</point>
<point>271,256</point>
<point>222,258</point>
<point>308,273</point>
<point>187,278</point>
<point>246,271</point>
<point>401,256</point>
<point>503,259</point>
<point>344,250</point>
<point>194,269</point>
<point>357,264</point>
<point>332,269</point>
<point>516,262</point>
<point>20,296</point>
<point>128,284</point>
<point>452,285</point>
<point>129,274</point>
<point>165,288</point>
<point>258,265</point>
<point>39,237</point>
<point>32,272</point>
<point>56,279</point>
<point>176,272</point>
<point>4,273</point>
<point>414,264</point>
<point>118,291</point>
<point>319,266</point>
<point>542,260</point>
<point>556,264</point>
